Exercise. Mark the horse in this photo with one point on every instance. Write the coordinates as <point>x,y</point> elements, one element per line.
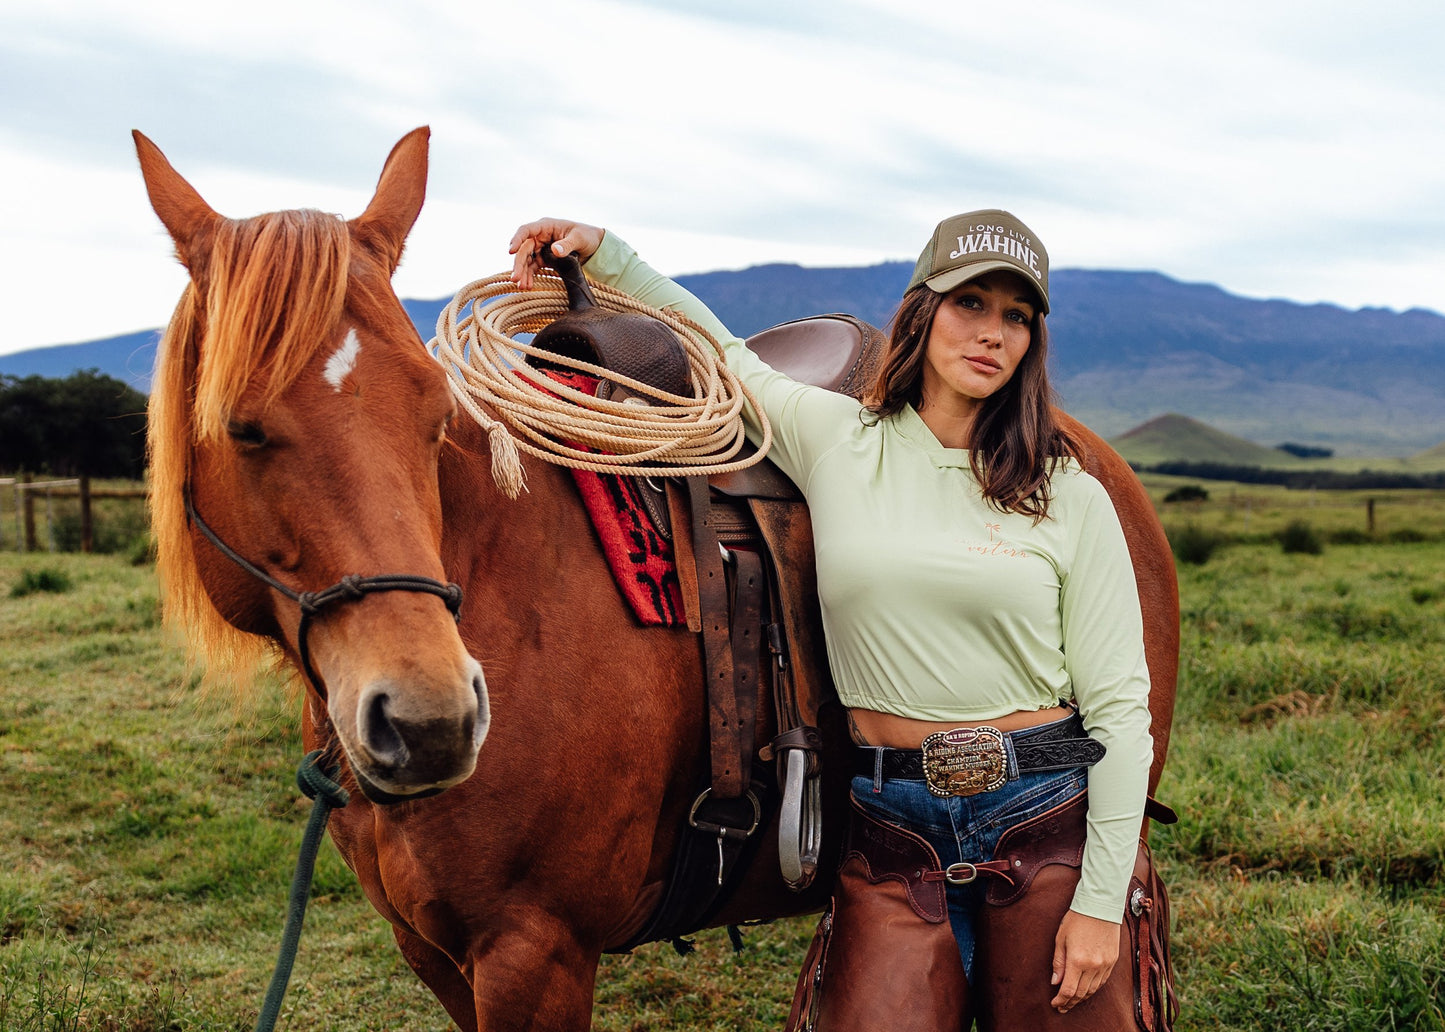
<point>521,752</point>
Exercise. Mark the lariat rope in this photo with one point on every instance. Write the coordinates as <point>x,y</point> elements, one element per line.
<point>327,796</point>
<point>681,436</point>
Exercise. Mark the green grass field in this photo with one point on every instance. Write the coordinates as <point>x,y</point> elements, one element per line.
<point>1256,513</point>
<point>148,829</point>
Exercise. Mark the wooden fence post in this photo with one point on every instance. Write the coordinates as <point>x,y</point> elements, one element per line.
<point>85,525</point>
<point>1370,516</point>
<point>29,508</point>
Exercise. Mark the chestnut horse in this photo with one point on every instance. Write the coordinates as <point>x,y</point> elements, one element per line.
<point>303,440</point>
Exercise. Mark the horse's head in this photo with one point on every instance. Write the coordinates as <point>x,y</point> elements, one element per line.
<point>297,414</point>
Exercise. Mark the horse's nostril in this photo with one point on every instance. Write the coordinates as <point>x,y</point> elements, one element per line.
<point>482,720</point>
<point>378,732</point>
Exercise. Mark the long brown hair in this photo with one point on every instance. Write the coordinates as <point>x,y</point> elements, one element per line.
<point>1015,442</point>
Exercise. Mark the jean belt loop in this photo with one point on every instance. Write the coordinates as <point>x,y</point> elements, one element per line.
<point>1010,758</point>
<point>877,771</point>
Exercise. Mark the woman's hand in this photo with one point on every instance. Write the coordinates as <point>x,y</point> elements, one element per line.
<point>562,236</point>
<point>1085,951</point>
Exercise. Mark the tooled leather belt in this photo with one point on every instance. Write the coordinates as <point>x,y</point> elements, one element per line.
<point>968,760</point>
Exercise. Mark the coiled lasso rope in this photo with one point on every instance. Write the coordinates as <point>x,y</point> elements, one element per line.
<point>682,436</point>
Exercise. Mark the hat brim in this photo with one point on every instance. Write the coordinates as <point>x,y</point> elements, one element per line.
<point>946,281</point>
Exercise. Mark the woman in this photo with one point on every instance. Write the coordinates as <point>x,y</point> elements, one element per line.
<point>971,575</point>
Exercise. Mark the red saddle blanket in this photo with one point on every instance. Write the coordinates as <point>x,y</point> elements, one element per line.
<point>641,559</point>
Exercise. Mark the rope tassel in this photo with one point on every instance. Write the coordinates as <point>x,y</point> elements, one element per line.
<point>507,468</point>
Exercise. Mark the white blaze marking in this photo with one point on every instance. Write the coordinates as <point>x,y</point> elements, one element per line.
<point>339,365</point>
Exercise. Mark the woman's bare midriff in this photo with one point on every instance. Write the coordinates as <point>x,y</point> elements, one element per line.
<point>869,727</point>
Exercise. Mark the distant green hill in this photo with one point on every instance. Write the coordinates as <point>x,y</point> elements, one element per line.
<point>1428,460</point>
<point>1176,438</point>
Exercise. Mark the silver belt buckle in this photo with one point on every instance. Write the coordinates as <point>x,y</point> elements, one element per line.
<point>965,761</point>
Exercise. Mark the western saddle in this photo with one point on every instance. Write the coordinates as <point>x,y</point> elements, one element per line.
<point>743,547</point>
<point>743,544</point>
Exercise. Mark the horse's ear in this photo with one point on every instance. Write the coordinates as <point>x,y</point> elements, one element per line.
<point>398,199</point>
<point>188,219</point>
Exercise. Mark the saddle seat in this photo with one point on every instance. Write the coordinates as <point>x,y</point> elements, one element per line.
<point>835,351</point>
<point>838,352</point>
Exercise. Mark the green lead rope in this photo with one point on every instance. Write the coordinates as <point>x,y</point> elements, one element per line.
<point>327,796</point>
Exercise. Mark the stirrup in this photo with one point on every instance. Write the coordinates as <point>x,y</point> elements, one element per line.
<point>800,822</point>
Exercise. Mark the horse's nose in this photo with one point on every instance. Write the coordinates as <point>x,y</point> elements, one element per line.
<point>415,739</point>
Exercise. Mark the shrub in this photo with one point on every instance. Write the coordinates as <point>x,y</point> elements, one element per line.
<point>113,532</point>
<point>43,579</point>
<point>1406,536</point>
<point>1194,544</point>
<point>1299,537</point>
<point>1305,451</point>
<point>1187,493</point>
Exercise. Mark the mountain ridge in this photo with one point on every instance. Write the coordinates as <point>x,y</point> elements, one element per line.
<point>1125,347</point>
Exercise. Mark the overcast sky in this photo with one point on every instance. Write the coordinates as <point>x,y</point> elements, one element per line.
<point>1278,149</point>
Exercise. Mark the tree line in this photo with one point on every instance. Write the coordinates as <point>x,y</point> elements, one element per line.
<point>86,424</point>
<point>1324,480</point>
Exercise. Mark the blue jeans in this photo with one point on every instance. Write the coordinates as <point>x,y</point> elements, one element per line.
<point>966,829</point>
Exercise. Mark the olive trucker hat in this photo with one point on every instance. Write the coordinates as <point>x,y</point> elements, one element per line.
<point>966,246</point>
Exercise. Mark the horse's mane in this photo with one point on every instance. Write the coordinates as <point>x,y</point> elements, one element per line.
<point>274,287</point>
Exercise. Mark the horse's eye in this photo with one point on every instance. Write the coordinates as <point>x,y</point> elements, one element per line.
<point>249,435</point>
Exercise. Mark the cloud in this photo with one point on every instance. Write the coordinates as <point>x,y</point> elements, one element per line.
<point>1251,144</point>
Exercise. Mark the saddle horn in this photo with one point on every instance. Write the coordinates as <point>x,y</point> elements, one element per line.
<point>628,343</point>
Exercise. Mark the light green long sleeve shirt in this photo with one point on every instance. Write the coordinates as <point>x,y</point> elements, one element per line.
<point>937,606</point>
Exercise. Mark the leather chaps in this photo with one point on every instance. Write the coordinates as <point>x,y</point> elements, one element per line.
<point>884,956</point>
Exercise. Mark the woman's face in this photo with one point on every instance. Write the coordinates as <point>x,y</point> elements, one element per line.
<point>979,336</point>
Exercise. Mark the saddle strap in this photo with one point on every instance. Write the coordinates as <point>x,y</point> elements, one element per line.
<point>679,513</point>
<point>720,840</point>
<point>730,752</point>
<point>801,684</point>
<point>788,533</point>
<point>748,648</point>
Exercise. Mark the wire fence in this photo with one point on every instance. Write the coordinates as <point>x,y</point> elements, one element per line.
<point>1398,513</point>
<point>59,514</point>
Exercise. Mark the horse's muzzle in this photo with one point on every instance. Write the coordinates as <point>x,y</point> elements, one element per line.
<point>410,744</point>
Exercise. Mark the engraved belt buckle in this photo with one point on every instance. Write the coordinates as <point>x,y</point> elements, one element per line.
<point>965,761</point>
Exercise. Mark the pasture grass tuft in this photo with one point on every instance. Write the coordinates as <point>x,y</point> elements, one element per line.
<point>1193,544</point>
<point>1300,538</point>
<point>54,982</point>
<point>1406,536</point>
<point>45,578</point>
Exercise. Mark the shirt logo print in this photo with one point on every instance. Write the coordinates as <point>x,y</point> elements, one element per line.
<point>996,545</point>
